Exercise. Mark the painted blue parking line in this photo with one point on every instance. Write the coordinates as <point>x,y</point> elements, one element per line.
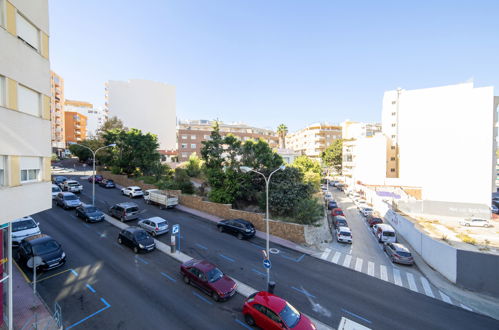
<point>201,246</point>
<point>300,258</point>
<point>226,258</point>
<point>75,273</point>
<point>202,298</point>
<point>258,272</point>
<point>243,324</point>
<point>141,260</point>
<point>90,288</point>
<point>91,315</point>
<point>258,246</point>
<point>305,292</point>
<point>169,277</point>
<point>355,315</point>
<point>293,259</point>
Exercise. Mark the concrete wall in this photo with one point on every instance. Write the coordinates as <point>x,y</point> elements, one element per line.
<point>478,271</point>
<point>449,209</point>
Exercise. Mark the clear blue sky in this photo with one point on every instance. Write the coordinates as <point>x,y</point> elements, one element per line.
<point>266,62</point>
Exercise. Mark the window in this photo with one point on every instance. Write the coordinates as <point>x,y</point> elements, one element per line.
<point>2,79</point>
<point>392,170</point>
<point>394,102</point>
<point>193,137</point>
<point>2,165</point>
<point>27,32</point>
<point>394,136</point>
<point>394,113</point>
<point>392,158</point>
<point>29,101</point>
<point>30,169</point>
<point>193,146</point>
<point>184,154</point>
<point>207,137</point>
<point>393,125</point>
<point>392,147</point>
<point>184,145</point>
<point>184,137</point>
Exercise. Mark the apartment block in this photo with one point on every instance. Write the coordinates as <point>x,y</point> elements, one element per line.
<point>94,116</point>
<point>146,105</point>
<point>357,130</point>
<point>76,126</point>
<point>191,134</point>
<point>313,139</point>
<point>57,112</point>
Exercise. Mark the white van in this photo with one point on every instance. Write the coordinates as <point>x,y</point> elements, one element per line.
<point>385,233</point>
<point>22,228</point>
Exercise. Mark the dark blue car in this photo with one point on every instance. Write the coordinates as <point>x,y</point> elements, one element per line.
<point>331,205</point>
<point>89,213</point>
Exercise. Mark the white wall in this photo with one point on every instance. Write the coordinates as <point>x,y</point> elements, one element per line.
<point>24,200</point>
<point>147,105</point>
<point>370,160</point>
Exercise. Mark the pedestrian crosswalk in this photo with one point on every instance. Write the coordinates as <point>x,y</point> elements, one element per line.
<point>409,279</point>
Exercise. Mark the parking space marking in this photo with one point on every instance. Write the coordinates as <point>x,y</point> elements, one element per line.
<point>412,283</point>
<point>202,298</point>
<point>466,307</point>
<point>358,264</point>
<point>226,258</point>
<point>201,246</point>
<point>396,277</point>
<point>258,272</point>
<point>383,273</point>
<point>90,288</point>
<point>305,292</point>
<point>168,277</point>
<point>243,324</point>
<point>75,273</point>
<point>326,253</point>
<point>370,268</point>
<point>346,262</point>
<point>427,288</point>
<point>141,260</point>
<point>91,315</point>
<point>355,315</point>
<point>336,257</point>
<point>445,297</point>
<point>56,274</point>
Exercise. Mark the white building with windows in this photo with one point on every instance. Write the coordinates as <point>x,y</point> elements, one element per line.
<point>147,105</point>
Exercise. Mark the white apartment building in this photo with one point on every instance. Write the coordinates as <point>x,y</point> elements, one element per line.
<point>147,105</point>
<point>25,137</point>
<point>356,130</point>
<point>313,139</point>
<point>96,117</point>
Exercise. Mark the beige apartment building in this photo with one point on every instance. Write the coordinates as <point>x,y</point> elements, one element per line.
<point>25,148</point>
<point>57,112</point>
<point>313,139</point>
<point>191,134</point>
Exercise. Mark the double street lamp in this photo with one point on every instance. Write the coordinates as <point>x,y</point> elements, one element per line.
<point>93,168</point>
<point>246,169</point>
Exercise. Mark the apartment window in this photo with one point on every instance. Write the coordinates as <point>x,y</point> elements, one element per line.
<point>29,101</point>
<point>193,146</point>
<point>394,102</point>
<point>27,32</point>
<point>193,137</point>
<point>184,145</point>
<point>207,137</point>
<point>30,169</point>
<point>393,125</point>
<point>392,158</point>
<point>184,154</point>
<point>2,80</point>
<point>2,160</point>
<point>394,136</point>
<point>184,137</point>
<point>394,113</point>
<point>392,147</point>
<point>392,170</point>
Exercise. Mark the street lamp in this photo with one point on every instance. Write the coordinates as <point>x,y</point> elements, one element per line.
<point>93,171</point>
<point>246,169</point>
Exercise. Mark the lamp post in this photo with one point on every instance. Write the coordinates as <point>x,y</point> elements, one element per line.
<point>93,168</point>
<point>246,169</point>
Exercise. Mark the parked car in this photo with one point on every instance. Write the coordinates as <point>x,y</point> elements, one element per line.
<point>268,311</point>
<point>125,211</point>
<point>55,190</point>
<point>59,180</point>
<point>22,228</point>
<point>67,200</point>
<point>98,178</point>
<point>361,203</point>
<point>132,191</point>
<point>371,220</point>
<point>344,235</point>
<point>107,183</point>
<point>161,198</point>
<point>239,227</point>
<point>385,233</point>
<point>43,246</point>
<point>340,221</point>
<point>207,277</point>
<point>137,239</point>
<point>154,226</point>
<point>89,213</point>
<point>72,186</point>
<point>494,209</point>
<point>475,223</point>
<point>337,211</point>
<point>366,211</point>
<point>332,205</point>
<point>398,253</point>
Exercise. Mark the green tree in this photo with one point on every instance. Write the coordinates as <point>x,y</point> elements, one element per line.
<point>310,168</point>
<point>193,166</point>
<point>84,154</point>
<point>113,123</point>
<point>282,130</point>
<point>333,155</point>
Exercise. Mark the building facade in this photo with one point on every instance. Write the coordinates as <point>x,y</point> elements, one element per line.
<point>76,127</point>
<point>57,112</point>
<point>91,114</point>
<point>25,147</point>
<point>191,134</point>
<point>356,130</point>
<point>313,139</point>
<point>146,105</point>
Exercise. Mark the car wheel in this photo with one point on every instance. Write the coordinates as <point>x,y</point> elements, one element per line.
<point>249,320</point>
<point>153,233</point>
<point>131,196</point>
<point>186,280</point>
<point>240,236</point>
<point>86,220</point>
<point>221,229</point>
<point>215,296</point>
<point>135,249</point>
<point>391,259</point>
<point>122,219</point>
<point>120,241</point>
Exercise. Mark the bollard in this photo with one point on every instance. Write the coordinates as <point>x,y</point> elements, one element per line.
<point>173,245</point>
<point>271,287</point>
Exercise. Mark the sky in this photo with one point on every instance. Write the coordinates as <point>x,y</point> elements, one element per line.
<point>267,62</point>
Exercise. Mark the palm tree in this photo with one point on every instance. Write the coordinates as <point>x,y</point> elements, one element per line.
<point>282,130</point>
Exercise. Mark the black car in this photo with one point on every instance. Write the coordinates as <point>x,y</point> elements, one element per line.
<point>107,183</point>
<point>339,221</point>
<point>239,227</point>
<point>332,205</point>
<point>43,246</point>
<point>59,180</point>
<point>137,239</point>
<point>89,213</point>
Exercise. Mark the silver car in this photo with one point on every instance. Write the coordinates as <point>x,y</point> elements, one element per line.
<point>67,200</point>
<point>155,225</point>
<point>398,253</point>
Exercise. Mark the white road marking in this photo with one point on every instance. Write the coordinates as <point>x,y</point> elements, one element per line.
<point>396,277</point>
<point>325,254</point>
<point>427,288</point>
<point>370,268</point>
<point>412,283</point>
<point>383,274</point>
<point>466,307</point>
<point>358,264</point>
<point>346,262</point>
<point>336,257</point>
<point>445,297</point>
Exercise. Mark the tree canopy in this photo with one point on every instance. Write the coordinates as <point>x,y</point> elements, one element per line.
<point>333,155</point>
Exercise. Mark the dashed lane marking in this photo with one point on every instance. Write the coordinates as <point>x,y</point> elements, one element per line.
<point>325,254</point>
<point>346,262</point>
<point>383,273</point>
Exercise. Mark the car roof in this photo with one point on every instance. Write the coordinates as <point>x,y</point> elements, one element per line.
<point>23,219</point>
<point>343,228</point>
<point>38,238</point>
<point>244,222</point>
<point>156,219</point>
<point>268,299</point>
<point>134,187</point>
<point>127,204</point>
<point>385,226</point>
<point>203,265</point>
<point>340,217</point>
<point>55,186</point>
<point>67,193</point>
<point>71,181</point>
<point>400,247</point>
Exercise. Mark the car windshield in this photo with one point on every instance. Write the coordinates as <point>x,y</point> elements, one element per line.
<point>342,222</point>
<point>109,181</point>
<point>23,225</point>
<point>73,184</point>
<point>404,254</point>
<point>91,209</point>
<point>214,275</point>
<point>141,235</point>
<point>70,197</point>
<point>45,247</point>
<point>56,189</point>
<point>388,233</point>
<point>290,315</point>
<point>162,224</point>
<point>132,209</point>
<point>345,233</point>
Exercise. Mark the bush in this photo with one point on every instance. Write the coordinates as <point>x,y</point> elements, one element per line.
<point>308,211</point>
<point>466,238</point>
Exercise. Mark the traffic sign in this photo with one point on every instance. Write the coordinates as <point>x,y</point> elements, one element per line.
<point>264,253</point>
<point>266,263</point>
<point>175,229</point>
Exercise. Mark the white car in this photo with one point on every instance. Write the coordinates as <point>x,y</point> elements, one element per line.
<point>72,186</point>
<point>475,223</point>
<point>344,235</point>
<point>55,190</point>
<point>22,228</point>
<point>366,211</point>
<point>132,191</point>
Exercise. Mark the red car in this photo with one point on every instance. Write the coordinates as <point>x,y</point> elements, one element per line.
<point>373,221</point>
<point>208,278</point>
<point>98,178</point>
<point>268,311</point>
<point>337,211</point>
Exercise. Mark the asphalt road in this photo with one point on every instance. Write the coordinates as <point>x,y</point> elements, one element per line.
<point>321,289</point>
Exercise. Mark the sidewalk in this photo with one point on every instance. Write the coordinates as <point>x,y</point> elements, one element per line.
<point>28,307</point>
